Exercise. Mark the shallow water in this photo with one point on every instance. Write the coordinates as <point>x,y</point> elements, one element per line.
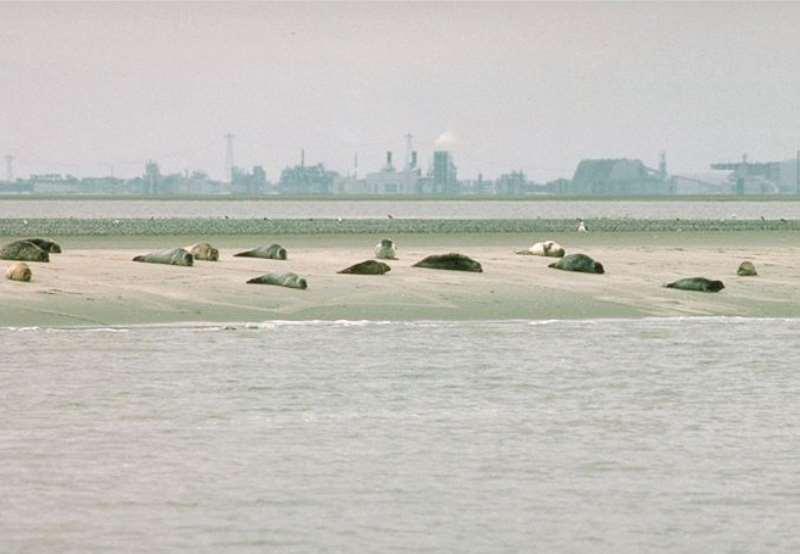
<point>376,209</point>
<point>647,435</point>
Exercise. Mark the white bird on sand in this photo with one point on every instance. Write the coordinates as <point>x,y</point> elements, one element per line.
<point>581,226</point>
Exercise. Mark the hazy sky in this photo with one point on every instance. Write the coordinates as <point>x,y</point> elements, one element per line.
<point>521,86</point>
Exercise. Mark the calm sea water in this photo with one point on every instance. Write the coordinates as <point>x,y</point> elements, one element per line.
<point>569,436</point>
<point>120,209</point>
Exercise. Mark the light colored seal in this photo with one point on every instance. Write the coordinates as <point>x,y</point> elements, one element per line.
<point>700,284</point>
<point>386,250</point>
<point>578,262</point>
<point>271,252</point>
<point>548,248</point>
<point>19,272</point>
<point>452,261</point>
<point>203,251</point>
<point>24,251</point>
<point>746,269</point>
<point>46,245</point>
<point>176,256</point>
<point>290,280</point>
<point>370,267</point>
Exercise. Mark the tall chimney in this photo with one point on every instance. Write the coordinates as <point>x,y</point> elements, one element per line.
<point>389,158</point>
<point>413,159</point>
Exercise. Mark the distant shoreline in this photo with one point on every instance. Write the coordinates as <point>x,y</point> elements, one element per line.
<point>311,226</point>
<point>402,198</point>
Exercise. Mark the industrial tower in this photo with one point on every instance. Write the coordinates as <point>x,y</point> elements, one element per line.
<point>229,157</point>
<point>10,168</point>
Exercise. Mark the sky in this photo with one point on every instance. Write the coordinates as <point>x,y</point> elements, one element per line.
<point>88,89</point>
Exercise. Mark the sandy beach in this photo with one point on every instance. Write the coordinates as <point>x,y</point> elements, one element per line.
<point>94,282</point>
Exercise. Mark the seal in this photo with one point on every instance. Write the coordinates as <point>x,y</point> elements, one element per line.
<point>700,284</point>
<point>290,280</point>
<point>370,267</point>
<point>176,256</point>
<point>271,252</point>
<point>203,251</point>
<point>746,269</point>
<point>46,245</point>
<point>19,272</point>
<point>578,262</point>
<point>548,248</point>
<point>452,261</point>
<point>23,251</point>
<point>386,250</point>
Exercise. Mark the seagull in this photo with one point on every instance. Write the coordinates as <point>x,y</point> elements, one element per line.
<point>581,226</point>
<point>390,216</point>
<point>339,219</point>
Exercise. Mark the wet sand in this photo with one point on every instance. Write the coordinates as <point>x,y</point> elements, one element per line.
<point>94,282</point>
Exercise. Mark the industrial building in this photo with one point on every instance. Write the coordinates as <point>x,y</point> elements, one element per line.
<point>618,177</point>
<point>761,177</point>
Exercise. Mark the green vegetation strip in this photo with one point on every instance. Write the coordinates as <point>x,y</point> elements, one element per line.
<point>176,226</point>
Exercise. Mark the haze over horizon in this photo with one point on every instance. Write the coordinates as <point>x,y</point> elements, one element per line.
<point>535,87</point>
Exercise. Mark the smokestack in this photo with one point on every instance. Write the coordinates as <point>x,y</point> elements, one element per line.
<point>389,158</point>
<point>413,159</point>
<point>302,157</point>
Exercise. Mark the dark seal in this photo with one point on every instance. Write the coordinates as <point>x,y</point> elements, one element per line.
<point>370,267</point>
<point>578,262</point>
<point>176,256</point>
<point>271,252</point>
<point>46,245</point>
<point>290,280</point>
<point>452,261</point>
<point>24,251</point>
<point>700,284</point>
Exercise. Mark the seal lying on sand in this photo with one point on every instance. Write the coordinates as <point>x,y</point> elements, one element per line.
<point>578,262</point>
<point>370,267</point>
<point>747,269</point>
<point>46,245</point>
<point>453,261</point>
<point>24,251</point>
<point>385,250</point>
<point>19,272</point>
<point>176,256</point>
<point>696,283</point>
<point>271,252</point>
<point>290,280</point>
<point>547,248</point>
<point>203,251</point>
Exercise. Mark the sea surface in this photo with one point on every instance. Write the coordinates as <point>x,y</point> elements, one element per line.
<point>647,435</point>
<point>376,209</point>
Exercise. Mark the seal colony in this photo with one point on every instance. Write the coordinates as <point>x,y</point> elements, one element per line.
<point>40,249</point>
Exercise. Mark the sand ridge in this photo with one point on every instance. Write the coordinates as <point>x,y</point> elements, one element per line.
<point>102,286</point>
